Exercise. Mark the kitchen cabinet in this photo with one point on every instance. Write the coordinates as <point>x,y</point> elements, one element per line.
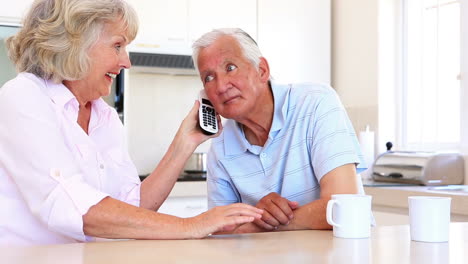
<point>295,38</point>
<point>205,15</point>
<point>180,22</point>
<point>161,20</point>
<point>186,199</point>
<point>14,11</point>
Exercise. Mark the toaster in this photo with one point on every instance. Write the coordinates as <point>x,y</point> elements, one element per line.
<point>422,168</point>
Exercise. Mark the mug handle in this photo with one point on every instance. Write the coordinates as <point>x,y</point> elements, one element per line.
<point>330,205</point>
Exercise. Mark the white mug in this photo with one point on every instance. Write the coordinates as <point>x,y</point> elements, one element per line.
<point>350,215</point>
<point>429,218</point>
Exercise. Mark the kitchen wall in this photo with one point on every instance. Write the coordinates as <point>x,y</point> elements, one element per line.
<point>354,58</point>
<point>363,55</point>
<point>154,106</point>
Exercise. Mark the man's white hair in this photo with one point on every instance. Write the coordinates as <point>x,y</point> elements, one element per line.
<point>247,44</point>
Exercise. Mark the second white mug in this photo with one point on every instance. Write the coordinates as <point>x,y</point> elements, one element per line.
<point>350,215</point>
<point>429,218</point>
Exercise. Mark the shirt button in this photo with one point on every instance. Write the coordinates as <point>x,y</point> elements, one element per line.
<point>101,166</point>
<point>263,155</point>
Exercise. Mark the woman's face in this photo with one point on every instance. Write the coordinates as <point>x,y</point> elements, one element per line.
<point>107,57</point>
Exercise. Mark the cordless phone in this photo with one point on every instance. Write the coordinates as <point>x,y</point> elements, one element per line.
<point>207,115</point>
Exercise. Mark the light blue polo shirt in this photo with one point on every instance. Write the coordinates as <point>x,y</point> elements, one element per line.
<point>311,135</point>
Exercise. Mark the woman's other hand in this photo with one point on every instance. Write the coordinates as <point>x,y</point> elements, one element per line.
<point>222,219</point>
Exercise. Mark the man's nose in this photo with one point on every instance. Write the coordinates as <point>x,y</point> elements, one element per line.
<point>222,84</point>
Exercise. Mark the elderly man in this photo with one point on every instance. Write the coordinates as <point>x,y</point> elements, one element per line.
<point>284,148</point>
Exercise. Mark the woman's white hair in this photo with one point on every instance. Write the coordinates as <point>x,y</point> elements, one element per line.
<point>247,44</point>
<point>57,35</point>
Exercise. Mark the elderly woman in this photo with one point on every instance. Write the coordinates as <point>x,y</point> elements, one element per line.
<point>65,175</point>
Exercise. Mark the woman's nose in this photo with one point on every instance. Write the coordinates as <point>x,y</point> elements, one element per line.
<point>125,60</point>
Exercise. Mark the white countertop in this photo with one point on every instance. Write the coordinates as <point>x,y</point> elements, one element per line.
<point>387,244</point>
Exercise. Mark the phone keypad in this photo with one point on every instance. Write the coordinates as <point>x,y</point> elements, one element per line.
<point>209,118</point>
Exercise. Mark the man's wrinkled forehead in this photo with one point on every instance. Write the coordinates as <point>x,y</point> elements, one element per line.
<point>225,45</point>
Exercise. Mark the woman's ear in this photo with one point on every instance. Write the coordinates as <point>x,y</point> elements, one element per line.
<point>264,70</point>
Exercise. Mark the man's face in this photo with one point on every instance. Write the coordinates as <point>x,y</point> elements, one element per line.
<point>231,82</point>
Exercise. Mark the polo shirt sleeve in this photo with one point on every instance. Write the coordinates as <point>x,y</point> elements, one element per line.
<point>333,142</point>
<point>219,186</point>
<point>44,171</point>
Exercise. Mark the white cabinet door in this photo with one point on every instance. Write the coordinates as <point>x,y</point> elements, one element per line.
<point>14,11</point>
<point>186,20</point>
<point>295,38</point>
<point>205,15</point>
<point>161,20</point>
<point>186,206</point>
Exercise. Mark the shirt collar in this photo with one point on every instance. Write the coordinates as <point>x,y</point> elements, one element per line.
<point>64,98</point>
<point>60,94</point>
<point>281,104</point>
<point>234,138</point>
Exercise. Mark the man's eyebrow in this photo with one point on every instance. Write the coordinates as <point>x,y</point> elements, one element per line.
<point>203,73</point>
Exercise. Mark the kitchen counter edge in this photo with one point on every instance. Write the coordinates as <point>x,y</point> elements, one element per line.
<point>398,197</point>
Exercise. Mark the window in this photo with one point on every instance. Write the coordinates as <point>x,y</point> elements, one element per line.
<point>431,75</point>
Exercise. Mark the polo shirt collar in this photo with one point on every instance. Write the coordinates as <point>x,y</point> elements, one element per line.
<point>234,138</point>
<point>281,104</point>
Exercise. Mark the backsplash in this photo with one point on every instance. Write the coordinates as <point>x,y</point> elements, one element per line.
<point>154,107</point>
<point>366,116</point>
